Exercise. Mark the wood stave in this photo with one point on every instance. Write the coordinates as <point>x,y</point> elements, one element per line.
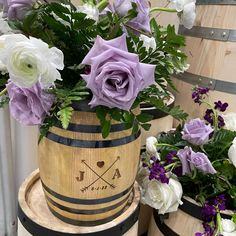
<point>122,140</point>
<point>210,58</point>
<point>32,216</point>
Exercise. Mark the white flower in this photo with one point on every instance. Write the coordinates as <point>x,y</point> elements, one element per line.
<point>122,7</point>
<point>91,11</point>
<point>148,42</point>
<point>163,197</point>
<point>232,152</point>
<point>151,148</point>
<point>4,27</point>
<point>29,60</point>
<point>229,227</point>
<point>230,121</point>
<point>187,8</point>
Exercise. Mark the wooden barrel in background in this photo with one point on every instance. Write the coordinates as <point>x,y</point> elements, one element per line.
<point>211,51</point>
<point>87,180</point>
<point>185,222</point>
<point>36,219</point>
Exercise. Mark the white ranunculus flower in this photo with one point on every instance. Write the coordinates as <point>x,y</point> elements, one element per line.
<point>230,121</point>
<point>232,152</point>
<point>187,10</point>
<point>148,42</point>
<point>151,148</point>
<point>163,197</point>
<point>91,11</point>
<point>229,227</point>
<point>29,60</point>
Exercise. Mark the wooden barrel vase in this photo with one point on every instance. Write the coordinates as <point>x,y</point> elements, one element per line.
<point>145,216</point>
<point>185,222</point>
<point>87,180</point>
<point>161,121</point>
<point>35,218</point>
<point>211,51</point>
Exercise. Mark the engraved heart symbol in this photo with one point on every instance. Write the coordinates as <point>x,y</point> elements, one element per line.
<point>100,164</point>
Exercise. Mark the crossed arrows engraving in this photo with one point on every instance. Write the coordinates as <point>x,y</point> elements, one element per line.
<point>99,176</point>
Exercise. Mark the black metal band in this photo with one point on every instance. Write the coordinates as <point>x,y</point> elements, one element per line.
<point>92,144</point>
<point>86,212</point>
<point>216,2</point>
<point>165,229</point>
<point>86,201</point>
<point>203,81</point>
<point>38,230</point>
<point>195,210</point>
<point>95,129</point>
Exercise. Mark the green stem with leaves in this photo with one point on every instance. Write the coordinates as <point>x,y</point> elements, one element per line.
<point>162,9</point>
<point>219,224</point>
<point>102,5</point>
<point>4,91</point>
<point>166,145</point>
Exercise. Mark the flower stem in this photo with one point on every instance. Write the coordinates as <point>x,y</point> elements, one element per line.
<point>102,5</point>
<point>138,31</point>
<point>162,9</point>
<point>219,223</point>
<point>4,91</point>
<point>165,145</point>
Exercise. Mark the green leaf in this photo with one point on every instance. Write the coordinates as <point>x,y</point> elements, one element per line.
<point>106,127</point>
<point>234,218</point>
<point>65,115</point>
<point>146,126</point>
<point>144,117</point>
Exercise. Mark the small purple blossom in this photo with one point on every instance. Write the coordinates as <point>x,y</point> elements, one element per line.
<point>221,122</point>
<point>169,157</point>
<point>209,116</point>
<point>198,234</point>
<point>208,212</point>
<point>178,171</point>
<point>191,160</point>
<point>209,231</point>
<point>198,94</point>
<point>158,172</point>
<point>197,132</point>
<point>221,106</point>
<point>220,202</point>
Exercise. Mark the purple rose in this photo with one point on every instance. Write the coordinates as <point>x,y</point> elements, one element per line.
<point>191,160</point>
<point>29,106</point>
<point>16,9</point>
<point>197,132</point>
<point>116,75</point>
<point>142,20</point>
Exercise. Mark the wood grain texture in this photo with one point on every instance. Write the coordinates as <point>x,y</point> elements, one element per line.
<point>32,202</point>
<point>210,58</point>
<point>88,173</point>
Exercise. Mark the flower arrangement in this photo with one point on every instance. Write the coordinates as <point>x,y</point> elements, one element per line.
<point>196,160</point>
<point>112,55</point>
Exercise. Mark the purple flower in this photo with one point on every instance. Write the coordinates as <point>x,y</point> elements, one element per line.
<point>142,20</point>
<point>221,106</point>
<point>221,122</point>
<point>198,94</point>
<point>220,202</point>
<point>158,172</point>
<point>208,212</point>
<point>116,75</point>
<point>169,157</point>
<point>209,116</point>
<point>197,132</point>
<point>191,160</point>
<point>198,234</point>
<point>29,106</point>
<point>16,9</point>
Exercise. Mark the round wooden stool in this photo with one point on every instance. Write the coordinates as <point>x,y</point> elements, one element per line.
<point>36,219</point>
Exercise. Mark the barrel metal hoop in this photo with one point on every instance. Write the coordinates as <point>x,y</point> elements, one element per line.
<point>165,229</point>
<point>203,81</point>
<point>86,201</point>
<point>38,230</point>
<point>225,35</point>
<point>92,143</point>
<point>87,212</point>
<point>216,2</point>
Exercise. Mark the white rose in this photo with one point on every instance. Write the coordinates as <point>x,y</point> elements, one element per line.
<point>29,60</point>
<point>148,42</point>
<point>230,121</point>
<point>229,227</point>
<point>232,152</point>
<point>151,148</point>
<point>187,8</point>
<point>163,197</point>
<point>91,11</point>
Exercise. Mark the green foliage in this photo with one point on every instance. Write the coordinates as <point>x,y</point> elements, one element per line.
<point>65,115</point>
<point>4,101</point>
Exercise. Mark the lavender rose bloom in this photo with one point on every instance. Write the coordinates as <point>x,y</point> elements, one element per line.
<point>16,9</point>
<point>142,20</point>
<point>29,106</point>
<point>116,75</point>
<point>197,132</point>
<point>191,160</point>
